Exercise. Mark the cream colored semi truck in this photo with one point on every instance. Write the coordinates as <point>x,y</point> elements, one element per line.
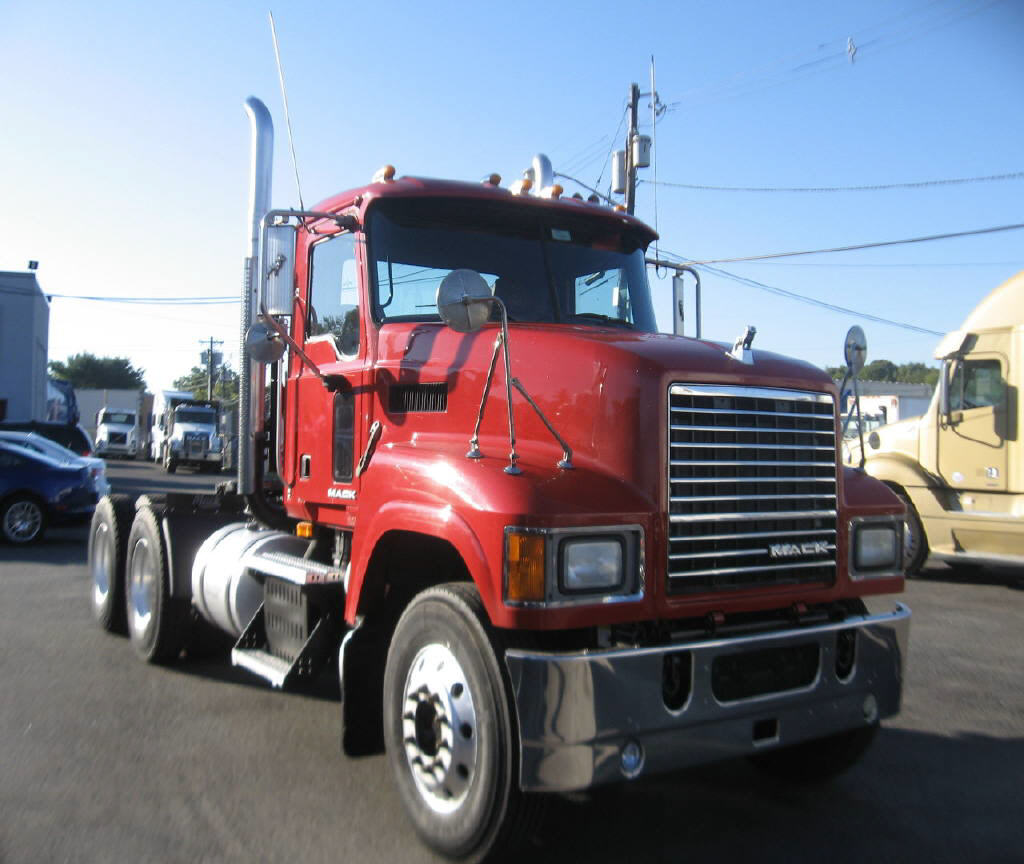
<point>960,466</point>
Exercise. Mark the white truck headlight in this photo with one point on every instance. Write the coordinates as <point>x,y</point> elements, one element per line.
<point>592,564</point>
<point>876,547</point>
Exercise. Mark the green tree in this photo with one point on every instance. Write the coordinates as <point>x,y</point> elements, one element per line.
<point>886,370</point>
<point>225,383</point>
<point>88,372</point>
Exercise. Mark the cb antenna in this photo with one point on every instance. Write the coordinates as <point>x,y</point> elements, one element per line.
<point>287,116</point>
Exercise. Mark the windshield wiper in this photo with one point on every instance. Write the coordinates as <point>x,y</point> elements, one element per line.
<point>603,319</point>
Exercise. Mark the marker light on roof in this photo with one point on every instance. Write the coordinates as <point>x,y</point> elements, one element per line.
<point>385,174</point>
<point>552,191</point>
<point>492,180</point>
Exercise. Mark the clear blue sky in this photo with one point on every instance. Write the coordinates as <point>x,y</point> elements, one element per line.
<point>124,148</point>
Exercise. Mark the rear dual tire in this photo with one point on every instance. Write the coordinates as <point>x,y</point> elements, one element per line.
<point>158,624</point>
<point>108,542</point>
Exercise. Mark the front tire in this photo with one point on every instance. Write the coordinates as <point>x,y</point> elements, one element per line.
<point>158,624</point>
<point>449,726</point>
<point>108,542</point>
<point>915,543</point>
<point>22,520</point>
<point>170,463</point>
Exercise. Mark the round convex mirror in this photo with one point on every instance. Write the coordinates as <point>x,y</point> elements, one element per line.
<point>263,344</point>
<point>855,349</point>
<point>462,300</point>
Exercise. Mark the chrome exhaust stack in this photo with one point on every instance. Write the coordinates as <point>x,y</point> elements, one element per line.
<point>251,372</point>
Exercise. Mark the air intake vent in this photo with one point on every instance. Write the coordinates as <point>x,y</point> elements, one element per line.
<point>407,398</point>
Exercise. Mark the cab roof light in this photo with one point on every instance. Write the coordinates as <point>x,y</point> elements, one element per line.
<point>385,174</point>
<point>552,191</point>
<point>524,561</point>
<point>492,180</point>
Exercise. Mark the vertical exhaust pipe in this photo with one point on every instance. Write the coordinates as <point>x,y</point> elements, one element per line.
<point>251,384</point>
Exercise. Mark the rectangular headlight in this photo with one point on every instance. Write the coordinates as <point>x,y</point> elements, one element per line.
<point>876,548</point>
<point>592,564</point>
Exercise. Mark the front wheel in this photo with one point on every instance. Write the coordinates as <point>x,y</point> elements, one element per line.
<point>170,463</point>
<point>449,726</point>
<point>915,544</point>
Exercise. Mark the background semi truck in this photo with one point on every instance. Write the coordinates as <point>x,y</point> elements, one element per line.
<point>543,546</point>
<point>960,466</point>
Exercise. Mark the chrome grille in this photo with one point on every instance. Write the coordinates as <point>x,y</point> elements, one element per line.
<point>752,488</point>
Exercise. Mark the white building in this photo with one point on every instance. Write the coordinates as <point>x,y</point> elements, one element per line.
<point>24,339</point>
<point>889,400</point>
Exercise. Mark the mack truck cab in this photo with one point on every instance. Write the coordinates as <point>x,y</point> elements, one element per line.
<point>959,468</point>
<point>191,437</point>
<point>543,546</point>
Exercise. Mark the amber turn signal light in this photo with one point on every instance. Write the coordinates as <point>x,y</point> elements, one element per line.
<point>304,530</point>
<point>524,558</point>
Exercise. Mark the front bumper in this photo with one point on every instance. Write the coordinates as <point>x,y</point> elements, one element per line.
<point>578,712</point>
<point>107,448</point>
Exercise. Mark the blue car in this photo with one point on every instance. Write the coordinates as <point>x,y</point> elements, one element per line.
<point>36,491</point>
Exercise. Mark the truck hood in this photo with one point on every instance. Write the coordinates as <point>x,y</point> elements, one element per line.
<point>901,438</point>
<point>604,389</point>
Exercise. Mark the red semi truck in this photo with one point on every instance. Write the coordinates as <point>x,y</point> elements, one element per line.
<point>546,546</point>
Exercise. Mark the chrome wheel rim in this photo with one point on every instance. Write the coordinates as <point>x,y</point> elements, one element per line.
<point>22,521</point>
<point>101,555</point>
<point>439,728</point>
<point>142,585</point>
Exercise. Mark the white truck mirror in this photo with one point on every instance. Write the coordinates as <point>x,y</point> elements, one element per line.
<point>277,288</point>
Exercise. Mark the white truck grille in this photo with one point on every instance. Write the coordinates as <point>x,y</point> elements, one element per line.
<point>752,488</point>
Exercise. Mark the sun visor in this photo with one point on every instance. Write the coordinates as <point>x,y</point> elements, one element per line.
<point>951,344</point>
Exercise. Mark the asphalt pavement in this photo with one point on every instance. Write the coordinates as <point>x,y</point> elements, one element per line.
<point>105,759</point>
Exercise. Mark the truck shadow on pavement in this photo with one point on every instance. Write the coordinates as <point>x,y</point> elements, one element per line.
<point>914,797</point>
<point>1006,577</point>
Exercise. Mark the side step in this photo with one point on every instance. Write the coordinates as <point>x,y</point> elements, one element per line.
<point>297,630</point>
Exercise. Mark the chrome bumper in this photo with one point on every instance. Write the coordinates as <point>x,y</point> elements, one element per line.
<point>580,714</point>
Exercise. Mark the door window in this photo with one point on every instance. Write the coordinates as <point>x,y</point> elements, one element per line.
<point>334,293</point>
<point>976,384</point>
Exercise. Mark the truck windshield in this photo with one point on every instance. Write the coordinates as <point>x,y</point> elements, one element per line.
<point>117,417</point>
<point>194,415</point>
<point>545,267</point>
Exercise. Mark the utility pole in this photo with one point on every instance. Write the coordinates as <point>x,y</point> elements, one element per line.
<point>210,359</point>
<point>631,132</point>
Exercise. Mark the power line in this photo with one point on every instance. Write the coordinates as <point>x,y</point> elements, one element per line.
<point>876,187</point>
<point>858,246</point>
<point>142,301</point>
<point>803,298</point>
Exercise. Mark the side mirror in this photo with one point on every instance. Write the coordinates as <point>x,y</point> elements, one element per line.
<point>277,276</point>
<point>464,301</point>
<point>678,309</point>
<point>855,350</point>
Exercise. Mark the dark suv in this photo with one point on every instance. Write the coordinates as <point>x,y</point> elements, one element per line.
<point>75,438</point>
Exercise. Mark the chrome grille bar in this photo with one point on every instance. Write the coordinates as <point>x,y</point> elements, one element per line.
<point>711,550</point>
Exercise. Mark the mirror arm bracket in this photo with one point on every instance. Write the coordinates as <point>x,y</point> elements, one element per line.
<point>291,343</point>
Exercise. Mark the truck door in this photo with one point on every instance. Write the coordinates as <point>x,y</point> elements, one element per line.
<point>329,430</point>
<point>973,433</point>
